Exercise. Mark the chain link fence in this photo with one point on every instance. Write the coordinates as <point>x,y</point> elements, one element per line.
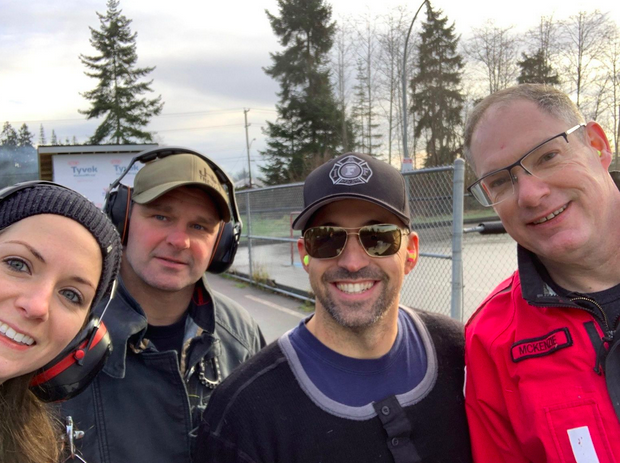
<point>268,254</point>
<point>469,265</point>
<point>429,285</point>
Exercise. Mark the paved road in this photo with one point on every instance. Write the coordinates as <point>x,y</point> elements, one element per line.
<point>275,313</point>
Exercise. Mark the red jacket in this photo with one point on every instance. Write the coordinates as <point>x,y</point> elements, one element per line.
<point>534,389</point>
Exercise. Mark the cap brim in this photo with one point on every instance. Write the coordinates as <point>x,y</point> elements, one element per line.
<point>154,193</point>
<point>300,223</point>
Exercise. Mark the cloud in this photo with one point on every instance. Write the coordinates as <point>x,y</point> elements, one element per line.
<point>236,79</point>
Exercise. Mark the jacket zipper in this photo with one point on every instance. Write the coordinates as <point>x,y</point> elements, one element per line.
<point>608,332</point>
<point>603,318</point>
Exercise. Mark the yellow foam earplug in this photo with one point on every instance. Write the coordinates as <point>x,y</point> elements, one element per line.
<point>305,260</point>
<point>412,256</point>
<point>600,153</point>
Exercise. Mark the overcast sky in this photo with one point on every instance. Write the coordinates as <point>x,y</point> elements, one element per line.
<point>208,56</point>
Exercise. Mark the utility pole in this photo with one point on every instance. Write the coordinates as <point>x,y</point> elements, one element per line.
<point>248,149</point>
<point>407,162</point>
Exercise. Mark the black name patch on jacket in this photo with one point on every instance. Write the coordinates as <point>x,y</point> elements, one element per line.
<point>544,345</point>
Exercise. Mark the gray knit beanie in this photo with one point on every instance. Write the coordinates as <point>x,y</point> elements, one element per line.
<point>39,197</point>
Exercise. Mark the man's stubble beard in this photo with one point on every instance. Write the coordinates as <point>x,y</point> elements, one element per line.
<point>340,313</point>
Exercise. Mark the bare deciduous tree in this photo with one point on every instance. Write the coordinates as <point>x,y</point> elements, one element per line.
<point>342,68</point>
<point>583,39</point>
<point>545,37</point>
<point>367,84</point>
<point>391,49</point>
<point>496,50</point>
<point>610,59</point>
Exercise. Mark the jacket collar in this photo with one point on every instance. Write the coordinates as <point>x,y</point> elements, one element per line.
<point>201,308</point>
<point>127,323</point>
<point>536,284</point>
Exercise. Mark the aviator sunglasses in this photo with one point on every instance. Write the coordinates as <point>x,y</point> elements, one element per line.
<point>379,240</point>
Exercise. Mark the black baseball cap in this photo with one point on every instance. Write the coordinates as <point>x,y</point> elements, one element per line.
<point>354,176</point>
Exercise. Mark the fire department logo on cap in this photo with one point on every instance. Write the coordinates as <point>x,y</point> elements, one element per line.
<point>350,171</point>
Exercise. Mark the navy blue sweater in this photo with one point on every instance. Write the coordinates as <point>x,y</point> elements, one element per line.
<point>267,411</point>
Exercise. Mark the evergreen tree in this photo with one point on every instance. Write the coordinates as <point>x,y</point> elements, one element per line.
<point>309,126</point>
<point>8,137</point>
<point>534,69</point>
<point>117,97</point>
<point>18,158</point>
<point>24,137</point>
<point>42,140</point>
<point>54,140</point>
<point>437,102</point>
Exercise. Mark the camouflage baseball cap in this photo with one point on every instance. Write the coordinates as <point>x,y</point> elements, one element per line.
<point>165,174</point>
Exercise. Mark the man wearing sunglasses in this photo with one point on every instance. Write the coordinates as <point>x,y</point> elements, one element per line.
<point>362,379</point>
<point>542,351</point>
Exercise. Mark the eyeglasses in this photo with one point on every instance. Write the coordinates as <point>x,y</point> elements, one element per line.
<point>379,240</point>
<point>541,162</point>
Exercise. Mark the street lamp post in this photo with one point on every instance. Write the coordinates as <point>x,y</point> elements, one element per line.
<point>407,164</point>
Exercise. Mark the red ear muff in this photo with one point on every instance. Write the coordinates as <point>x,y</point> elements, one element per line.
<point>75,367</point>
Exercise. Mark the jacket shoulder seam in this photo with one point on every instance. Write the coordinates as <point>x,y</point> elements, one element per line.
<point>221,305</point>
<point>502,288</point>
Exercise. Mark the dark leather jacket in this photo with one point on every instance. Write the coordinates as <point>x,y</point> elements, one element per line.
<point>144,406</point>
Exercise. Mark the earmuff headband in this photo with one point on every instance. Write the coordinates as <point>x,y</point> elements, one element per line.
<point>160,153</point>
<point>70,360</point>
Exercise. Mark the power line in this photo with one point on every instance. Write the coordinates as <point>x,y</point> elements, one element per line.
<point>201,128</point>
<point>188,113</point>
<point>197,128</point>
<point>193,113</point>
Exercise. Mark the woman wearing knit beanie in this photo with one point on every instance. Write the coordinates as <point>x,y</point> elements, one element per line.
<point>59,257</point>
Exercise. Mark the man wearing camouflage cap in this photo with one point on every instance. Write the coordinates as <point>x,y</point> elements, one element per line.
<point>174,339</point>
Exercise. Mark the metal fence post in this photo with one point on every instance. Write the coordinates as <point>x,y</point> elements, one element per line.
<point>456,241</point>
<point>248,234</point>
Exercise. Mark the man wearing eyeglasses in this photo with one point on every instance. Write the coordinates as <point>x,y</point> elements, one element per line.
<point>542,351</point>
<point>362,379</point>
